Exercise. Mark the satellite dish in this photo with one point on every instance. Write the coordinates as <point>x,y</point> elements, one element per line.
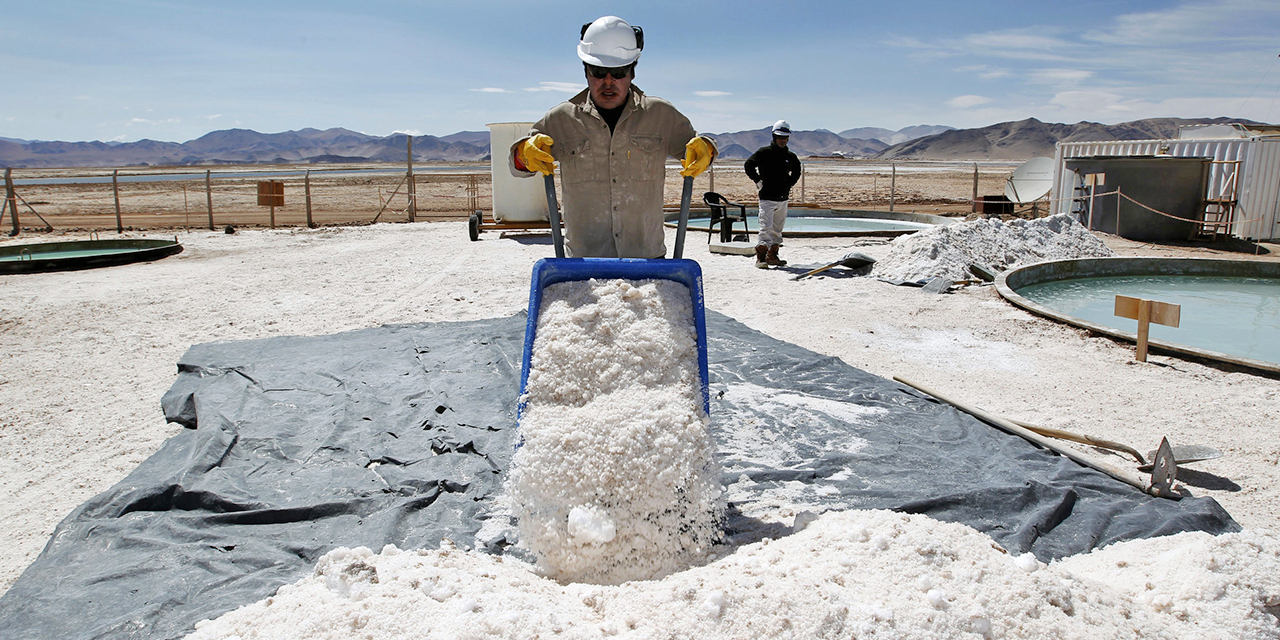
<point>1030,182</point>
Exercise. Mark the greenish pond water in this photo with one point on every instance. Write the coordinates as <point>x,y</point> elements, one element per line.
<point>74,253</point>
<point>818,225</point>
<point>1235,316</point>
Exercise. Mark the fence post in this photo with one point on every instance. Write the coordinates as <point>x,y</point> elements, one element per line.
<point>115,190</point>
<point>413,186</point>
<point>306,181</point>
<point>711,173</point>
<point>1118,213</point>
<point>893,184</point>
<point>11,199</point>
<point>802,182</point>
<point>975,187</point>
<point>208,195</point>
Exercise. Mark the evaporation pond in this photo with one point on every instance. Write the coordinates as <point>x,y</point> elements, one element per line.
<point>1236,316</point>
<point>822,224</point>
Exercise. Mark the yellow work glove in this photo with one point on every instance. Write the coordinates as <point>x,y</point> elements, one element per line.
<point>535,154</point>
<point>698,155</point>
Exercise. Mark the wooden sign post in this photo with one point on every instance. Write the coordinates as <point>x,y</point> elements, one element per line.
<point>1146,312</point>
<point>271,194</point>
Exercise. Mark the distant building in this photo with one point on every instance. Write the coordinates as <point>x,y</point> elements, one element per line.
<point>1241,177</point>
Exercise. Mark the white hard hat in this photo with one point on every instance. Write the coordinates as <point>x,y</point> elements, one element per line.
<point>781,128</point>
<point>610,42</point>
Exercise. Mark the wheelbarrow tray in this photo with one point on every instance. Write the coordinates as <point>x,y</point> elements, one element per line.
<point>549,271</point>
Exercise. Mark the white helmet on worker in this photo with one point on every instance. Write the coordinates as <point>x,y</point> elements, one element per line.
<point>782,129</point>
<point>610,42</point>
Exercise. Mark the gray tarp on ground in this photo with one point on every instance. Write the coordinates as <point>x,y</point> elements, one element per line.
<point>400,434</point>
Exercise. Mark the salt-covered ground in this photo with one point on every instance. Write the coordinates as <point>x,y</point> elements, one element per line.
<point>87,355</point>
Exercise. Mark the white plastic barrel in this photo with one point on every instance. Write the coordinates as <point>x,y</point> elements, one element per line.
<point>514,199</point>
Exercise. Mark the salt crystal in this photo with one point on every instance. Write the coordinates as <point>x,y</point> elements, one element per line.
<point>591,525</point>
<point>1027,562</point>
<point>613,426</point>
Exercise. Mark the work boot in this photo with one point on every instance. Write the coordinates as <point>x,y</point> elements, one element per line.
<point>772,258</point>
<point>762,261</point>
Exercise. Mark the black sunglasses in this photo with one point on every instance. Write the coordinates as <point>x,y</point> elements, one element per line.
<point>599,73</point>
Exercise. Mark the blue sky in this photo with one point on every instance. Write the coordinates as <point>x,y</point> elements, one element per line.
<point>128,70</point>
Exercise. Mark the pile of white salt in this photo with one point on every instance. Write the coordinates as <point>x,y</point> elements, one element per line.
<point>948,250</point>
<point>863,574</point>
<point>615,478</point>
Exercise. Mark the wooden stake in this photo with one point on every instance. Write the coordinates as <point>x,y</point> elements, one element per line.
<point>11,200</point>
<point>893,185</point>
<point>115,189</point>
<point>413,191</point>
<point>306,181</point>
<point>208,194</point>
<point>1144,328</point>
<point>975,187</point>
<point>1146,312</point>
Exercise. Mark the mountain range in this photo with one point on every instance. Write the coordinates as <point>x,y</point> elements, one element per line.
<point>1005,141</point>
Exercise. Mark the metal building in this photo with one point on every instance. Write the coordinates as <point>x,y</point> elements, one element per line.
<point>1244,174</point>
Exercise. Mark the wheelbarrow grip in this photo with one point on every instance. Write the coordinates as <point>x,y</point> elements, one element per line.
<point>686,194</point>
<point>553,214</point>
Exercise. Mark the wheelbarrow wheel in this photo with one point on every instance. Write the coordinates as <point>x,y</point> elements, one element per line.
<point>473,226</point>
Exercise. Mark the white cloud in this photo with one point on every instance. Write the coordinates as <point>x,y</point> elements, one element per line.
<point>711,94</point>
<point>565,87</point>
<point>966,102</point>
<point>407,132</point>
<point>986,72</point>
<point>214,116</point>
<point>1015,44</point>
<point>1089,101</point>
<point>1225,22</point>
<point>145,121</point>
<point>1059,76</point>
<point>492,90</point>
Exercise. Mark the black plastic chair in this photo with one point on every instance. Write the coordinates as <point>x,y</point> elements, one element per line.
<point>721,215</point>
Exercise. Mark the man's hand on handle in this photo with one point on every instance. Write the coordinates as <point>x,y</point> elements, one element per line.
<point>534,154</point>
<point>698,154</point>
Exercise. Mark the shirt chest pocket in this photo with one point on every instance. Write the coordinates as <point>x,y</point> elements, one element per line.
<point>575,160</point>
<point>647,158</point>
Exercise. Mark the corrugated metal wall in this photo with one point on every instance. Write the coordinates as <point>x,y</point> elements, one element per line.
<point>1259,179</point>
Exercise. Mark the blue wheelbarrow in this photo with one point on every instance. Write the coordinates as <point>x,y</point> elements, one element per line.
<point>549,271</point>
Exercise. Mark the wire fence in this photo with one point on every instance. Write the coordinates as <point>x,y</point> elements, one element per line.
<point>169,198</point>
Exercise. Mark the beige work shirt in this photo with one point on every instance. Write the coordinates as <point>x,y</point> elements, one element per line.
<point>612,184</point>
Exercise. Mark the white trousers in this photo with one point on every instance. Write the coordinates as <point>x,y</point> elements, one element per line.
<point>773,216</point>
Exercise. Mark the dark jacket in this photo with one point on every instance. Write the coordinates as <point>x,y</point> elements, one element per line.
<point>777,168</point>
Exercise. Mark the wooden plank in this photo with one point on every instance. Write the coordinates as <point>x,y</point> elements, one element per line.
<point>1146,312</point>
<point>1164,313</point>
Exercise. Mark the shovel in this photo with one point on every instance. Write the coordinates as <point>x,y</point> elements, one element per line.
<point>1182,454</point>
<point>850,260</point>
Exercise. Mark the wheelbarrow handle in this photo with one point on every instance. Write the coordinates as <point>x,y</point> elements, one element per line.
<point>686,194</point>
<point>553,213</point>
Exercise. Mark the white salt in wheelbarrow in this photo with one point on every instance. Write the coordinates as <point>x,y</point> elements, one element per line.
<point>549,271</point>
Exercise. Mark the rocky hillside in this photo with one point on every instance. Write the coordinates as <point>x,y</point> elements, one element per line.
<point>1030,138</point>
<point>1005,141</point>
<point>742,144</point>
<point>244,146</point>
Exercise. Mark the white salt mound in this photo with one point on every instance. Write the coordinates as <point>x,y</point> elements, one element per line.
<point>616,478</point>
<point>947,251</point>
<point>863,574</point>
